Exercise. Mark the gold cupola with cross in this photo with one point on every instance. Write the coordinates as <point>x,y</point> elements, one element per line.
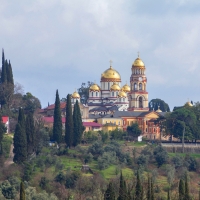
<point>138,95</point>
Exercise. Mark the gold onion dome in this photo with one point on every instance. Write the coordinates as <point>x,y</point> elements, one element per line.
<point>75,95</point>
<point>122,94</point>
<point>188,104</point>
<point>158,109</point>
<point>111,74</point>
<point>115,87</point>
<point>95,87</point>
<point>138,63</point>
<point>126,88</point>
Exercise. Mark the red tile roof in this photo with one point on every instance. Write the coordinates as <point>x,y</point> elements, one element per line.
<point>92,124</point>
<point>5,119</point>
<point>52,106</point>
<point>51,119</point>
<point>86,124</point>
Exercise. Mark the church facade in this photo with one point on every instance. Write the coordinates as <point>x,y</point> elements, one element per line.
<point>110,95</point>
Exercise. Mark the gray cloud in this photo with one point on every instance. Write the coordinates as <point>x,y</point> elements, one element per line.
<point>58,44</point>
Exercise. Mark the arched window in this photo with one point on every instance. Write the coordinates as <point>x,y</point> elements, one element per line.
<point>135,86</point>
<point>124,99</point>
<point>116,93</point>
<point>113,94</point>
<point>146,130</point>
<point>96,94</point>
<point>92,94</point>
<point>140,102</point>
<point>108,85</point>
<point>140,86</point>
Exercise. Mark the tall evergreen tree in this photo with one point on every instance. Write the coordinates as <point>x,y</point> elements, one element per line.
<point>3,72</point>
<point>2,131</point>
<point>20,145</point>
<point>20,141</point>
<point>9,74</point>
<point>138,188</point>
<point>30,133</point>
<point>22,192</point>
<point>109,193</point>
<point>69,126</point>
<point>78,127</point>
<point>21,118</point>
<point>57,125</point>
<point>168,195</point>
<point>187,193</point>
<point>148,189</point>
<point>181,189</point>
<point>152,190</point>
<point>122,189</point>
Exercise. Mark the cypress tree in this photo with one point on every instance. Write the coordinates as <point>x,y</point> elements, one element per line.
<point>69,126</point>
<point>77,119</point>
<point>30,133</point>
<point>20,141</point>
<point>152,190</point>
<point>138,188</point>
<point>22,191</point>
<point>20,145</point>
<point>2,129</point>
<point>110,193</point>
<point>148,189</point>
<point>57,125</point>
<point>21,118</point>
<point>122,189</point>
<point>3,72</point>
<point>181,189</point>
<point>168,195</point>
<point>9,74</point>
<point>187,193</point>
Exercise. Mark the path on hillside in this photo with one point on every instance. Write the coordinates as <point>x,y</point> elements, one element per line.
<point>9,160</point>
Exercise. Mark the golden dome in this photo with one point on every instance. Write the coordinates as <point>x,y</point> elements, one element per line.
<point>122,94</point>
<point>126,88</point>
<point>158,109</point>
<point>75,95</point>
<point>94,87</point>
<point>138,63</point>
<point>188,104</point>
<point>115,87</point>
<point>111,74</point>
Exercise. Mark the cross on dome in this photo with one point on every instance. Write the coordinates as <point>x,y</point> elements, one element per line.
<point>111,63</point>
<point>138,54</point>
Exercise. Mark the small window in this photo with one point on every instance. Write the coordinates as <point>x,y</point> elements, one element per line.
<point>92,94</point>
<point>118,123</point>
<point>113,94</point>
<point>96,94</point>
<point>146,130</point>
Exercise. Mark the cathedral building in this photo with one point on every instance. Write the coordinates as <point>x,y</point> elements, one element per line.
<point>110,96</point>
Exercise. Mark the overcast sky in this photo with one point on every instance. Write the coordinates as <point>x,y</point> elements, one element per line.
<point>58,44</point>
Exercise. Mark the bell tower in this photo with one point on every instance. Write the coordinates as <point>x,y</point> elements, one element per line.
<point>138,96</point>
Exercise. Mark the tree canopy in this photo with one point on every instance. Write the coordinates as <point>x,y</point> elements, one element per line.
<point>154,104</point>
<point>134,130</point>
<point>180,118</point>
<point>84,91</point>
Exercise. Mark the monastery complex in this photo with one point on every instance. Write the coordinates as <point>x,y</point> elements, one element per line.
<point>111,105</point>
